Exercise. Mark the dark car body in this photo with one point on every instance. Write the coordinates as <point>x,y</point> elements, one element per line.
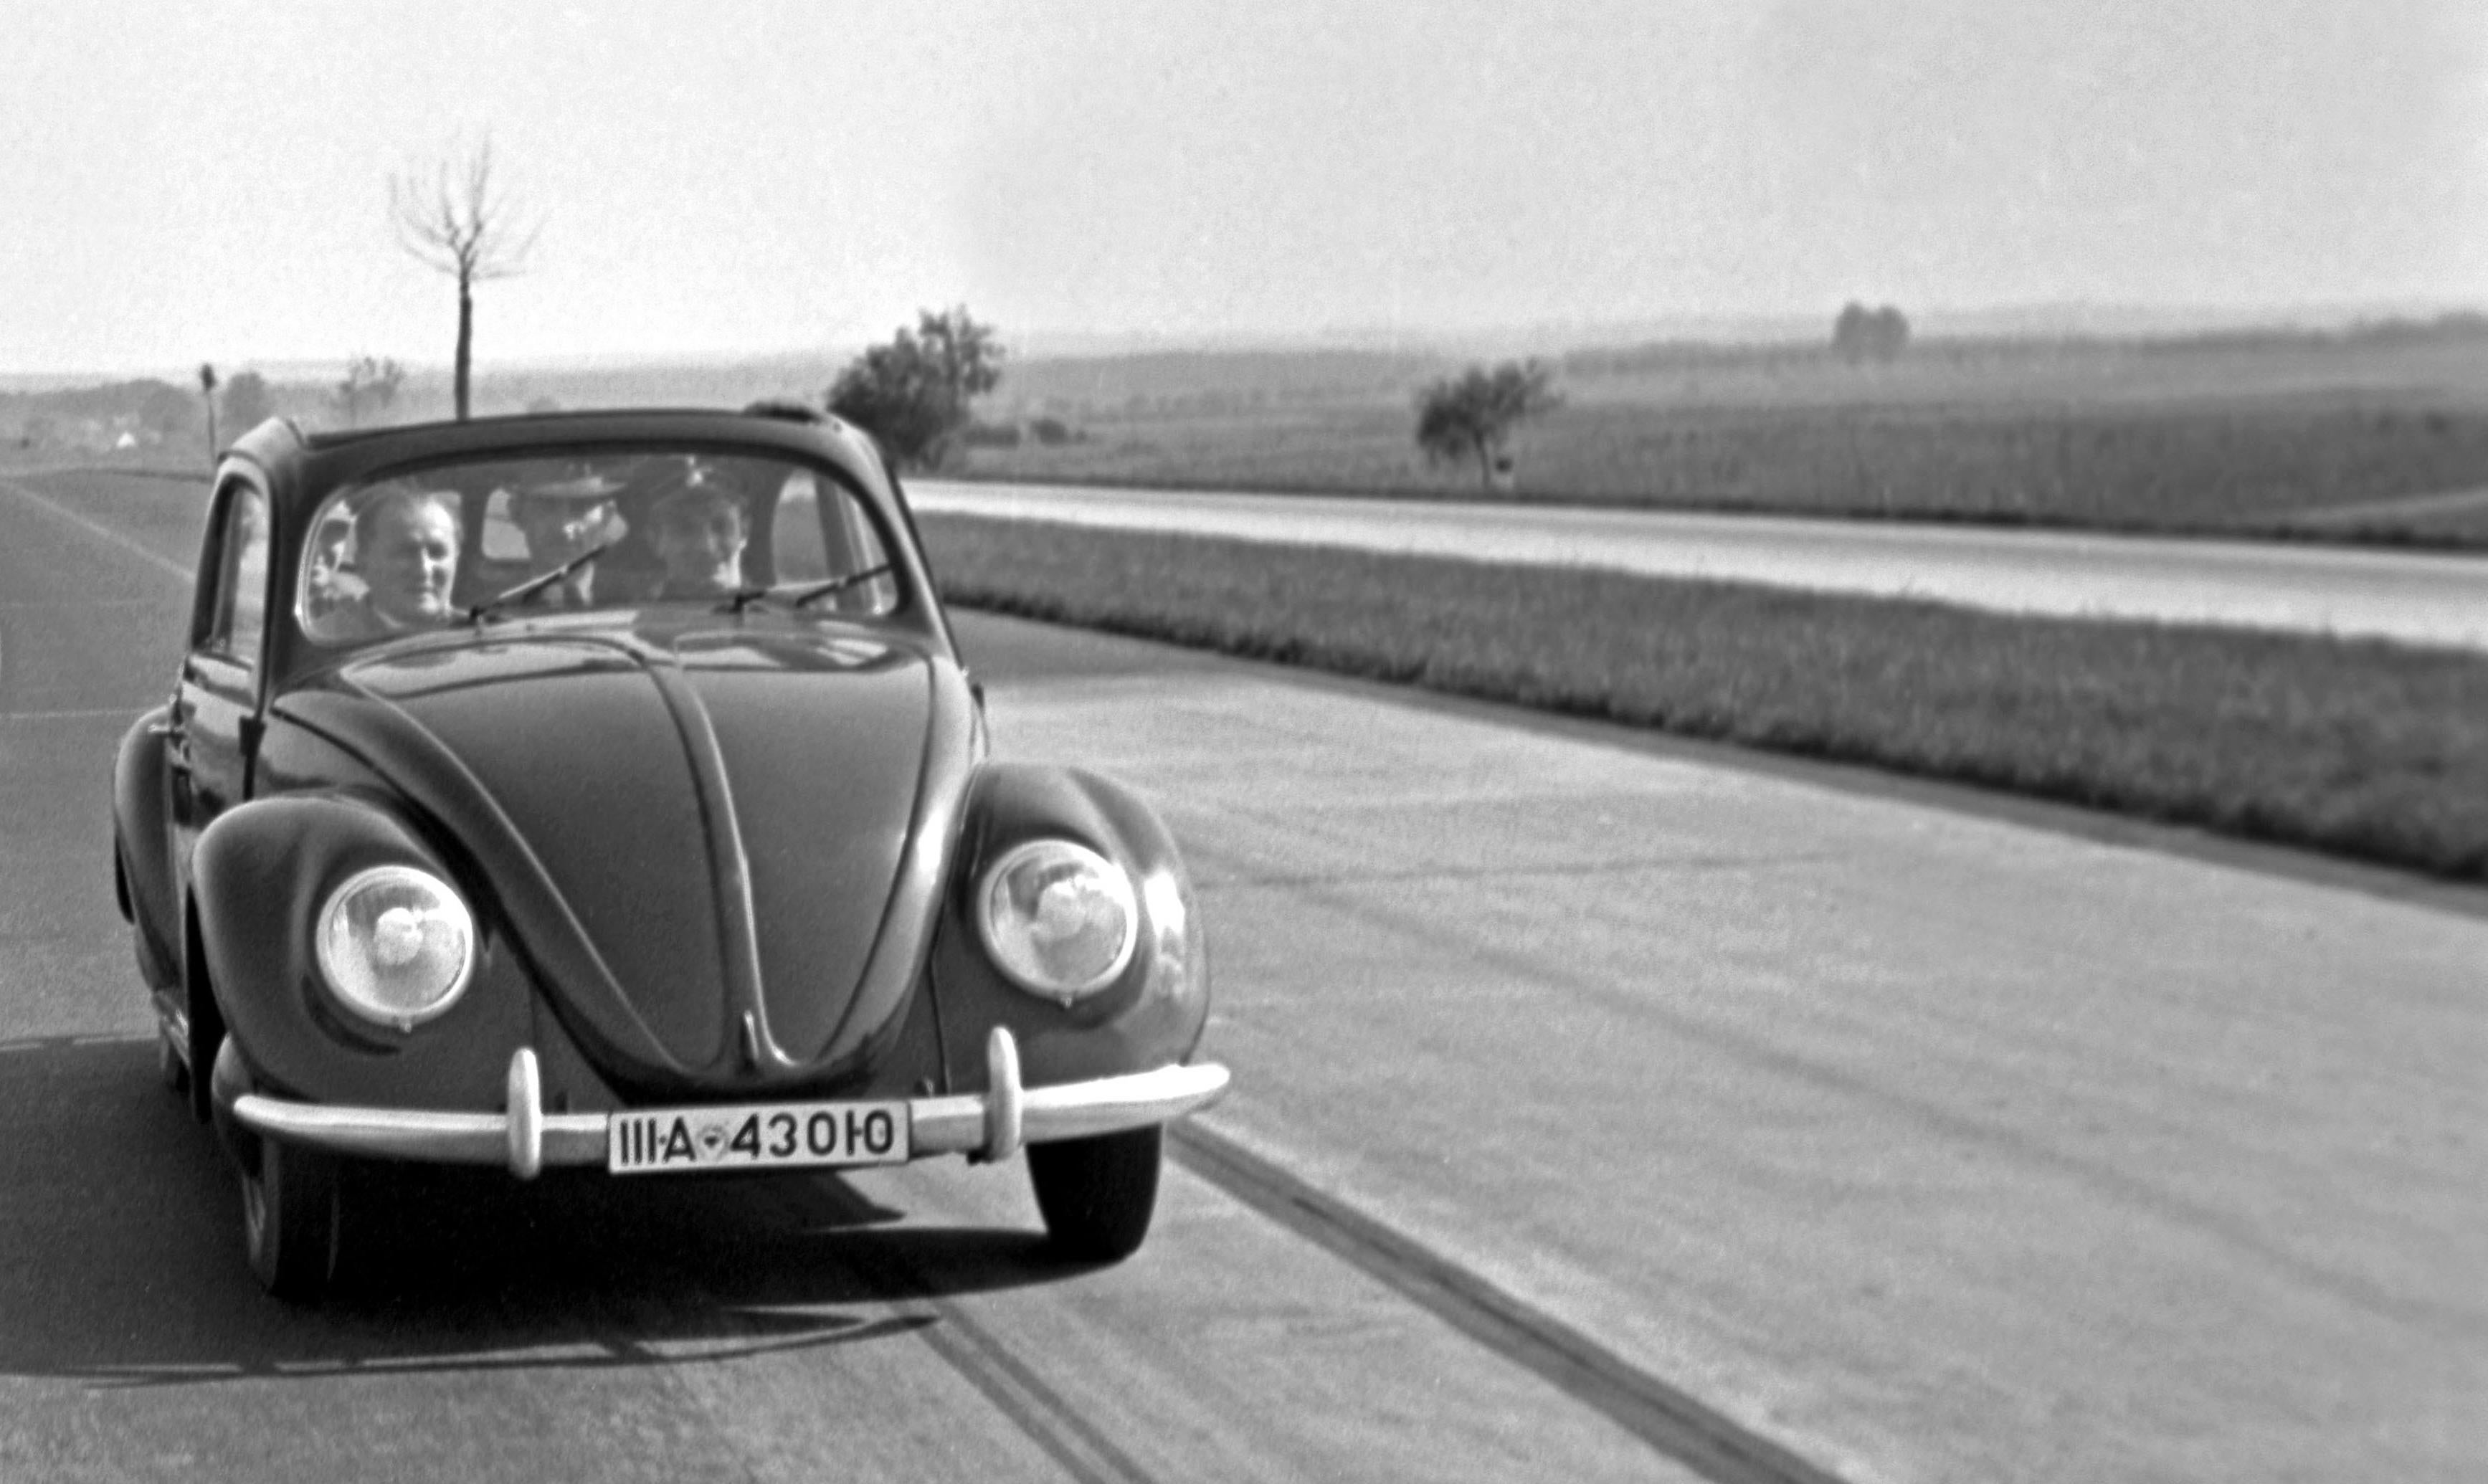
<point>713,854</point>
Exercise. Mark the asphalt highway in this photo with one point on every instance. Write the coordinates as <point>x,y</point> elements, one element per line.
<point>1605,1109</point>
<point>2411,597</point>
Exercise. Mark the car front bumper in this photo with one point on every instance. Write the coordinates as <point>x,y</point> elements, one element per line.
<point>991,1125</point>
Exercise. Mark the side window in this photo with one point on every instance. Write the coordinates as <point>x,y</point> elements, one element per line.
<point>819,532</point>
<point>502,539</point>
<point>241,580</point>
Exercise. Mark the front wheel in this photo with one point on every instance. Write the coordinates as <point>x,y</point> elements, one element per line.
<point>289,1215</point>
<point>1097,1195</point>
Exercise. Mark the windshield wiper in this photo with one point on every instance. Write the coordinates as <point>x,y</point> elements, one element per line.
<point>535,584</point>
<point>743,598</point>
<point>838,584</point>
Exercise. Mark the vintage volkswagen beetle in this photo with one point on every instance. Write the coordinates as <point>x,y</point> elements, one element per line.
<point>607,790</point>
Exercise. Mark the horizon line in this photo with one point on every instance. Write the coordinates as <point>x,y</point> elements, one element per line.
<point>2140,319</point>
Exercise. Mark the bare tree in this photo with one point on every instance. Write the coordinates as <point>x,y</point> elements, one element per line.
<point>368,379</point>
<point>456,225</point>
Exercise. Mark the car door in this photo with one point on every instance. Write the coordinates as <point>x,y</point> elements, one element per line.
<point>214,724</point>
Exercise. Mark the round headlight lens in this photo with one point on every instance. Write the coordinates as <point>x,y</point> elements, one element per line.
<point>396,946</point>
<point>1059,918</point>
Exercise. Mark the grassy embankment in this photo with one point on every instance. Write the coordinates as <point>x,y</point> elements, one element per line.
<point>2316,437</point>
<point>2363,749</point>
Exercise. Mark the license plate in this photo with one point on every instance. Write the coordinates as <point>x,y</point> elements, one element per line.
<point>777,1135</point>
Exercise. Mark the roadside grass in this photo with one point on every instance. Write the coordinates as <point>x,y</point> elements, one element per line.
<point>2361,748</point>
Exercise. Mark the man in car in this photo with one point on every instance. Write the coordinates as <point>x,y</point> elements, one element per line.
<point>698,532</point>
<point>331,586</point>
<point>562,521</point>
<point>406,549</point>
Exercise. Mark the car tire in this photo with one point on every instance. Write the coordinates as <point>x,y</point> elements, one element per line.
<point>290,1220</point>
<point>1097,1195</point>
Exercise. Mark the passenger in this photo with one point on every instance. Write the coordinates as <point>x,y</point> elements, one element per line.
<point>563,521</point>
<point>406,547</point>
<point>698,532</point>
<point>331,586</point>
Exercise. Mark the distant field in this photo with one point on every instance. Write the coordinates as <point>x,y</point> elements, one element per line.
<point>2293,437</point>
<point>2377,434</point>
<point>2361,748</point>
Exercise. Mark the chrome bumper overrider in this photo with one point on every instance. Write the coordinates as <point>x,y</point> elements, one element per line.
<point>989,1126</point>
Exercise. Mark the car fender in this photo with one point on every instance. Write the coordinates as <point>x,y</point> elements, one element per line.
<point>261,875</point>
<point>1152,1015</point>
<point>143,850</point>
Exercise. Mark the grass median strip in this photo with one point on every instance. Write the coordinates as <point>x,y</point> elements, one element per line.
<point>2361,748</point>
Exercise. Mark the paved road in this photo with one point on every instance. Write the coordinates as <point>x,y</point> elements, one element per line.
<point>2417,599</point>
<point>1780,1110</point>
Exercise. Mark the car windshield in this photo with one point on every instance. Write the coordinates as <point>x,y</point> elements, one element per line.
<point>528,537</point>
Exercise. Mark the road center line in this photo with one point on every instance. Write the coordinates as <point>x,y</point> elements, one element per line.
<point>126,712</point>
<point>97,528</point>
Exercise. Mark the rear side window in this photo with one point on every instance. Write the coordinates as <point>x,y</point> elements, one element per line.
<point>239,619</point>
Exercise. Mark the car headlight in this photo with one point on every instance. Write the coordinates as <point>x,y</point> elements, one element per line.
<point>396,944</point>
<point>1059,918</point>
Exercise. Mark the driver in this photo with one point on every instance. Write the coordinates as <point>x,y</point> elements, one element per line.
<point>562,521</point>
<point>406,549</point>
<point>698,532</point>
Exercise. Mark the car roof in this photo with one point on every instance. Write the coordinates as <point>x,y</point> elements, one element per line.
<point>491,426</point>
<point>302,468</point>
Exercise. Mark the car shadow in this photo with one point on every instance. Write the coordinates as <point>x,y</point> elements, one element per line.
<point>121,1256</point>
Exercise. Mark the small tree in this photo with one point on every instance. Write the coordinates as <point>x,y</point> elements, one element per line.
<point>165,411</point>
<point>368,381</point>
<point>1863,334</point>
<point>458,227</point>
<point>247,404</point>
<point>913,393</point>
<point>1472,415</point>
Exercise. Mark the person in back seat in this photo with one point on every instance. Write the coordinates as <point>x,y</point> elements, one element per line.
<point>563,520</point>
<point>700,533</point>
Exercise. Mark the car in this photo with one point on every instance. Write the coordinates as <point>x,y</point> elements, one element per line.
<point>607,790</point>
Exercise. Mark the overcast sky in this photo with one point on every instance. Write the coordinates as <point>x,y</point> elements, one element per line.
<point>209,182</point>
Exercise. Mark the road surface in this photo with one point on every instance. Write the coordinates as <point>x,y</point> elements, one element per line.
<point>2410,597</point>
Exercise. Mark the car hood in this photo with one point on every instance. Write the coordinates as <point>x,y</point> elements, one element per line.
<point>721,850</point>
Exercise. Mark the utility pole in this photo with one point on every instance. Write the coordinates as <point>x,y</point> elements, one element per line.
<point>207,390</point>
